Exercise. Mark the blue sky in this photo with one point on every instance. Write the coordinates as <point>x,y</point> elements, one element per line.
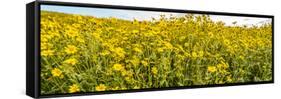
<point>103,12</point>
<point>146,15</point>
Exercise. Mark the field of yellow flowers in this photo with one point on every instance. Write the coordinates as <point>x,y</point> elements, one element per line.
<point>89,54</point>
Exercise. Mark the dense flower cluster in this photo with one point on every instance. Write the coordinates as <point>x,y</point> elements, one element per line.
<point>88,54</point>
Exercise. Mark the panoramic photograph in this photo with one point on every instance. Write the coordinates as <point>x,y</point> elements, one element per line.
<point>85,49</point>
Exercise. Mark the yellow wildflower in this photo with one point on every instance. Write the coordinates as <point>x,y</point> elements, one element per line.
<point>71,33</point>
<point>71,61</point>
<point>135,31</point>
<point>212,69</point>
<point>120,52</point>
<point>194,54</point>
<point>137,50</point>
<point>56,72</point>
<point>135,61</point>
<point>73,88</point>
<point>154,70</point>
<point>47,53</point>
<point>46,46</point>
<point>118,67</point>
<point>43,39</point>
<point>70,49</point>
<point>97,36</point>
<point>144,63</point>
<point>101,87</point>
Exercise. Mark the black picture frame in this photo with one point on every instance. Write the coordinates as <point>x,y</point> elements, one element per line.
<point>33,46</point>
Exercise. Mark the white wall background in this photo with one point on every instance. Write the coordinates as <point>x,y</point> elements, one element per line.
<point>12,49</point>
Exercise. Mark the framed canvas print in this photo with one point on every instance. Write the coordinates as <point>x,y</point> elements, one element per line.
<point>87,49</point>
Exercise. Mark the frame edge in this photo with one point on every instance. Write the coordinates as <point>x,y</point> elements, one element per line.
<point>31,64</point>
